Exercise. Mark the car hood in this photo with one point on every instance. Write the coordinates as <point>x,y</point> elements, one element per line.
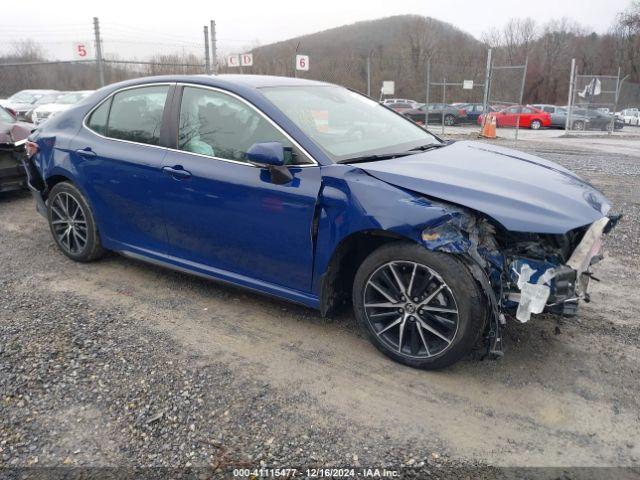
<point>523,192</point>
<point>53,107</point>
<point>11,133</point>
<point>19,106</point>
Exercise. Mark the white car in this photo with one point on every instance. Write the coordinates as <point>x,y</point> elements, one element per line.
<point>62,103</point>
<point>630,116</point>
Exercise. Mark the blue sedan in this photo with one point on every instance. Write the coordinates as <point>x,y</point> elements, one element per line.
<point>319,195</point>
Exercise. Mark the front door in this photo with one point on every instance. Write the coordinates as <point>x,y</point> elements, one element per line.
<point>224,213</point>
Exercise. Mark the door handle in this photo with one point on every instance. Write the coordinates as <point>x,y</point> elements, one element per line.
<point>86,153</point>
<point>177,172</point>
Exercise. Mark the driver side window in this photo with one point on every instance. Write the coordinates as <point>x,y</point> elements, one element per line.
<point>215,124</point>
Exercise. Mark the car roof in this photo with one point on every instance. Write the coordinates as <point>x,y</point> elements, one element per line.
<point>251,81</point>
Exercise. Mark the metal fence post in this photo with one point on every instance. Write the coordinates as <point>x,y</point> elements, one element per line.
<point>524,76</point>
<point>426,105</point>
<point>612,126</point>
<point>572,79</point>
<point>487,82</point>
<point>369,73</point>
<point>295,61</point>
<point>444,97</point>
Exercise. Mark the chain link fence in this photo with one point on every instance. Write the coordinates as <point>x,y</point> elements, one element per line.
<point>450,94</point>
<point>593,102</point>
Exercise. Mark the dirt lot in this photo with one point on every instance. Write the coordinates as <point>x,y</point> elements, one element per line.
<point>122,363</point>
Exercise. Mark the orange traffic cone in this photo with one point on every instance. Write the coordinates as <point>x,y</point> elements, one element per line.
<point>489,127</point>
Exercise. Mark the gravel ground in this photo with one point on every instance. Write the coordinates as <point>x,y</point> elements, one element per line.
<point>119,363</point>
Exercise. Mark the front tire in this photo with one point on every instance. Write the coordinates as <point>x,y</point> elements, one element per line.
<point>578,125</point>
<point>72,223</point>
<point>536,124</point>
<point>420,308</point>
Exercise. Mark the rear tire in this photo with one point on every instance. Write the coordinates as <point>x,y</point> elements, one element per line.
<point>578,125</point>
<point>72,223</point>
<point>449,120</point>
<point>430,322</point>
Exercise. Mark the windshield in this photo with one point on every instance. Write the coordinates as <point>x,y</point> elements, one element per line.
<point>71,98</point>
<point>22,97</point>
<point>6,116</point>
<point>346,124</point>
<point>47,98</point>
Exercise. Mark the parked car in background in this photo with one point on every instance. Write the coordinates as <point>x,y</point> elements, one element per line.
<point>524,116</point>
<point>432,242</point>
<point>25,100</point>
<point>598,120</point>
<point>13,136</point>
<point>402,106</point>
<point>60,104</point>
<point>438,113</point>
<point>559,117</point>
<point>473,110</point>
<point>629,116</point>
<point>387,101</point>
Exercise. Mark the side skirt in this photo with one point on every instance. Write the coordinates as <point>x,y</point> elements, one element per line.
<point>222,276</point>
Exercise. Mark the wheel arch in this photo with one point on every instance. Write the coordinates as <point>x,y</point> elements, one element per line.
<point>337,280</point>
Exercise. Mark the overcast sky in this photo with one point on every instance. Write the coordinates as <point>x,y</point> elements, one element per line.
<point>137,28</point>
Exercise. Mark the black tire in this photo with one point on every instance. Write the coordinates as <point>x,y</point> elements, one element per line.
<point>460,286</point>
<point>449,120</point>
<point>68,232</point>
<point>535,125</point>
<point>578,125</point>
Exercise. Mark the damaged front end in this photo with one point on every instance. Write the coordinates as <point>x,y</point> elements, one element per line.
<point>521,273</point>
<point>12,173</point>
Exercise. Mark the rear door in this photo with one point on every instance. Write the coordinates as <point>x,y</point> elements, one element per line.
<point>118,157</point>
<point>226,214</point>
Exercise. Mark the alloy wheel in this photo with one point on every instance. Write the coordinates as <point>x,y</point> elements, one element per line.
<point>69,223</point>
<point>411,309</point>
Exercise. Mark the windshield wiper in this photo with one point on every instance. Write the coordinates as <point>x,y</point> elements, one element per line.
<point>428,146</point>
<point>373,158</point>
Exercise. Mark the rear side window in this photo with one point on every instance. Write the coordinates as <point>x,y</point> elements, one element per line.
<point>135,115</point>
<point>98,119</point>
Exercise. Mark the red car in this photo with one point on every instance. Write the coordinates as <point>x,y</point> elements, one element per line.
<point>529,117</point>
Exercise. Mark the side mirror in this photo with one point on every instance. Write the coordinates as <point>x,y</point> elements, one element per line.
<point>270,155</point>
<point>266,154</point>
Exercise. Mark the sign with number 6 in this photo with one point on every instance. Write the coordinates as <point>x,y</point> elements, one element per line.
<point>82,51</point>
<point>302,62</point>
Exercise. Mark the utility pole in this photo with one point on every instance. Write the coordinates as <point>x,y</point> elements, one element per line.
<point>369,73</point>
<point>96,31</point>
<point>214,51</point>
<point>207,64</point>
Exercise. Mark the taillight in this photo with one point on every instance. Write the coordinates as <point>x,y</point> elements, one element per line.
<point>463,112</point>
<point>31,148</point>
<point>12,112</point>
